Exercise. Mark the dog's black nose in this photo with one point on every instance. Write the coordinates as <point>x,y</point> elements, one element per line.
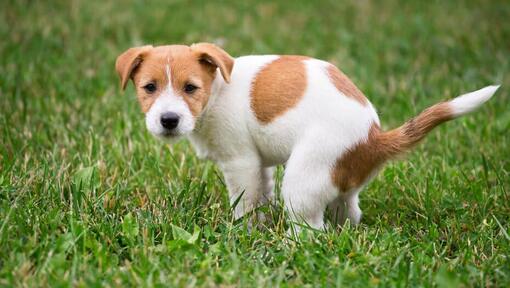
<point>169,120</point>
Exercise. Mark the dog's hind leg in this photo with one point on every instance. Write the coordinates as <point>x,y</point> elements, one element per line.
<point>336,210</point>
<point>345,206</point>
<point>352,206</point>
<point>307,187</point>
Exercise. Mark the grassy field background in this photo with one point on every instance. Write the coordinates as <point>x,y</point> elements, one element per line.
<point>89,198</point>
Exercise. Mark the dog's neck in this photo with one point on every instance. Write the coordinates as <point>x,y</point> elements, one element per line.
<point>199,137</point>
<point>216,89</point>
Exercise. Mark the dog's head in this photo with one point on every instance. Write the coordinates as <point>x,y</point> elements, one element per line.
<point>173,83</point>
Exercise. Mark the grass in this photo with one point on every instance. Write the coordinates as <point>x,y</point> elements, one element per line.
<point>89,198</point>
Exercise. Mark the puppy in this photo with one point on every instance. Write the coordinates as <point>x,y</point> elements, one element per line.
<point>261,111</point>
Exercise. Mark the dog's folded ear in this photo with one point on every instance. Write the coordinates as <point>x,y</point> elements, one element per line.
<point>215,57</point>
<point>128,61</point>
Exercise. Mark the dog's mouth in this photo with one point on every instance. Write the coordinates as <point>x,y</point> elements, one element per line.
<point>170,134</point>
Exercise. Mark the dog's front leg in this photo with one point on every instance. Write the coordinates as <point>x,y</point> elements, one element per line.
<point>245,183</point>
<point>268,186</point>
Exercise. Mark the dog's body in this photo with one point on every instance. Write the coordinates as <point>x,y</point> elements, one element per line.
<point>291,110</point>
<point>309,136</point>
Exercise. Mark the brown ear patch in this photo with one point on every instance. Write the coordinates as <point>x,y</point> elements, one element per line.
<point>127,63</point>
<point>216,57</point>
<point>278,87</point>
<point>345,85</point>
<point>353,168</point>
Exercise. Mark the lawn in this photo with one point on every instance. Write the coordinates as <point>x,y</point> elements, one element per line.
<point>89,198</point>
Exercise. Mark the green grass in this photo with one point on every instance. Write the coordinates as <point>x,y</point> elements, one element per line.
<point>89,198</point>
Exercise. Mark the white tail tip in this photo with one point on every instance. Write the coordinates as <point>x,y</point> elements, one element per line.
<point>470,101</point>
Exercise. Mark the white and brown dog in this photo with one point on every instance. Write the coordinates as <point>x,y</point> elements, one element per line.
<point>260,111</point>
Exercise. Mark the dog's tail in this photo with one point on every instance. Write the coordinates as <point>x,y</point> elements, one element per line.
<point>403,138</point>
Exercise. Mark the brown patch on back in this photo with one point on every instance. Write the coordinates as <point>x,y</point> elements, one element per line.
<point>356,165</point>
<point>278,87</point>
<point>345,85</point>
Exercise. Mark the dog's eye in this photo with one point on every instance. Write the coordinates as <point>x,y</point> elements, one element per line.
<point>150,88</point>
<point>190,88</point>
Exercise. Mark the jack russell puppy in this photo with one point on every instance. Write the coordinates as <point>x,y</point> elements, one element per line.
<point>261,111</point>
